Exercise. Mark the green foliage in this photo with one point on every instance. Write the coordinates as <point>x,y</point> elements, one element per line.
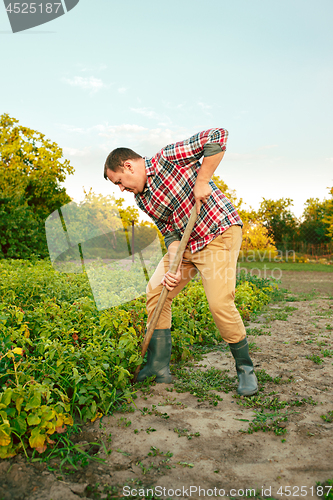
<point>27,413</point>
<point>249,299</point>
<point>315,358</point>
<point>57,344</point>
<point>269,421</point>
<point>328,418</point>
<point>315,224</point>
<point>202,383</point>
<point>31,166</point>
<point>278,219</point>
<point>21,232</point>
<point>192,321</point>
<point>31,171</point>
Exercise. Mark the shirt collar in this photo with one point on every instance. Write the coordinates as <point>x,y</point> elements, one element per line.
<point>150,170</point>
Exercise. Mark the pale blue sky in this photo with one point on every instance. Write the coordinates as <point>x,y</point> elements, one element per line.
<point>144,74</point>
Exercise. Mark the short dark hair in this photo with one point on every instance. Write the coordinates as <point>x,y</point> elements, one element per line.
<point>116,159</point>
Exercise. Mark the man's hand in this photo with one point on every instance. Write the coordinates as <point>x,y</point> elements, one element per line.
<point>170,281</point>
<point>202,192</point>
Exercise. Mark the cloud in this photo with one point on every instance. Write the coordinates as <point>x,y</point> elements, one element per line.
<point>204,106</point>
<point>86,83</point>
<point>122,90</point>
<point>75,152</point>
<point>147,112</point>
<point>146,141</point>
<point>83,131</point>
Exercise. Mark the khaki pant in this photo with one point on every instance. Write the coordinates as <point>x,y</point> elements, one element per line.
<point>216,263</point>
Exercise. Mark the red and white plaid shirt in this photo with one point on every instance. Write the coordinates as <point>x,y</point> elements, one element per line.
<point>168,196</point>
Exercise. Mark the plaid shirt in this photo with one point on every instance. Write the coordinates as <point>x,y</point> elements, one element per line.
<point>168,196</point>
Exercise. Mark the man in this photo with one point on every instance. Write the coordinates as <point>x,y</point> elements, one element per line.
<point>166,187</point>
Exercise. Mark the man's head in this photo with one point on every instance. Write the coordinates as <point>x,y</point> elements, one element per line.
<point>126,169</point>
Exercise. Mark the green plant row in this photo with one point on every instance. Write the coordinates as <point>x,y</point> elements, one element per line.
<point>61,358</point>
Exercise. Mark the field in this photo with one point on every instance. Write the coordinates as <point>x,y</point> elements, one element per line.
<point>197,432</point>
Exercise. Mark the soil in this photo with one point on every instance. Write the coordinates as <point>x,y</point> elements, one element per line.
<point>224,456</point>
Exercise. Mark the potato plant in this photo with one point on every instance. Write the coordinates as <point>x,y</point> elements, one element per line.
<point>61,358</point>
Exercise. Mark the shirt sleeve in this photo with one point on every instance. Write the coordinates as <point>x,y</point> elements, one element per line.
<point>212,149</point>
<point>164,226</point>
<point>170,237</point>
<point>190,151</point>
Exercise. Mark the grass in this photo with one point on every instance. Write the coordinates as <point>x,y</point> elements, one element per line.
<point>325,490</point>
<point>201,383</point>
<point>257,331</point>
<point>286,266</point>
<point>328,418</point>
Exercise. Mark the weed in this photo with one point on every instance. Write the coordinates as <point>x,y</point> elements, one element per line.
<point>186,433</point>
<point>325,489</point>
<point>290,309</point>
<point>186,464</point>
<point>268,421</point>
<point>253,347</point>
<point>328,417</point>
<point>150,429</point>
<point>123,452</point>
<point>156,452</point>
<point>123,422</point>
<point>273,404</point>
<point>69,453</point>
<point>200,383</point>
<point>264,377</point>
<point>257,331</point>
<point>153,411</point>
<point>315,358</point>
<point>327,353</point>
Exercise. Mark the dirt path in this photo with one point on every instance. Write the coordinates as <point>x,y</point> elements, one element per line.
<point>159,444</point>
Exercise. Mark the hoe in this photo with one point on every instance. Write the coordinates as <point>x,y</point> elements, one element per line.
<point>173,268</point>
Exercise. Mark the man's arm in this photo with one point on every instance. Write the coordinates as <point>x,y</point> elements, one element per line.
<point>189,152</point>
<point>202,189</point>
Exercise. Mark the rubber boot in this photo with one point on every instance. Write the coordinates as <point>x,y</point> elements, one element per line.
<point>158,359</point>
<point>248,384</point>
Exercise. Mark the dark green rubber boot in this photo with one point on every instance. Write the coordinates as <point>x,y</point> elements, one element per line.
<point>248,384</point>
<point>158,359</point>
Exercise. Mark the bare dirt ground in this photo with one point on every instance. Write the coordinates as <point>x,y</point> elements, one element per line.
<point>173,441</point>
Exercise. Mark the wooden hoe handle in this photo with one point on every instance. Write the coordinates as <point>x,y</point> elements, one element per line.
<point>173,269</point>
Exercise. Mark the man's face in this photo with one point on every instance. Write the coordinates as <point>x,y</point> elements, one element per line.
<point>131,177</point>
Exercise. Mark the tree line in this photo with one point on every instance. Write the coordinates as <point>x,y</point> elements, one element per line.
<point>32,169</point>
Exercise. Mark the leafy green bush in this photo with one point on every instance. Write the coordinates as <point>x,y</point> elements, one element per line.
<point>78,359</point>
<point>25,418</point>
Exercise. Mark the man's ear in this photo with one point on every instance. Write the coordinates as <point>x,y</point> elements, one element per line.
<point>128,165</point>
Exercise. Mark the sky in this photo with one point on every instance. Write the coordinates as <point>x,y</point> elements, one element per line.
<point>145,74</point>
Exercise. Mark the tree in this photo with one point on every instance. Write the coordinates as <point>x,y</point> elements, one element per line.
<point>31,168</point>
<point>328,219</point>
<point>279,221</point>
<point>313,228</point>
<point>229,193</point>
<point>255,234</point>
<point>21,233</point>
<point>31,171</point>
